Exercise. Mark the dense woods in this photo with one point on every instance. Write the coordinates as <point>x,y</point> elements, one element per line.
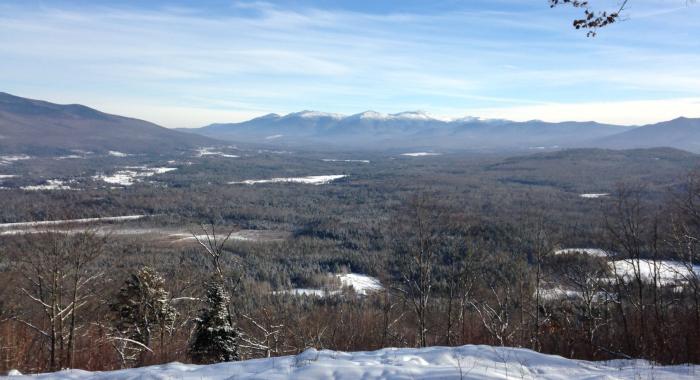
<point>466,250</point>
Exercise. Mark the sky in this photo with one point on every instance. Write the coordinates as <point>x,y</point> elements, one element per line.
<point>192,63</point>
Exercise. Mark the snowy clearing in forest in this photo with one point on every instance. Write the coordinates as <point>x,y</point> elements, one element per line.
<point>361,284</point>
<point>5,160</point>
<point>596,252</point>
<point>666,272</point>
<point>336,160</point>
<point>593,195</point>
<point>69,221</point>
<point>202,152</point>
<point>6,176</point>
<point>115,153</point>
<point>131,175</point>
<point>51,184</point>
<point>311,180</point>
<point>430,363</point>
<point>420,154</point>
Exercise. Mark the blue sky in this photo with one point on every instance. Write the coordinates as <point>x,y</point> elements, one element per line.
<point>191,63</point>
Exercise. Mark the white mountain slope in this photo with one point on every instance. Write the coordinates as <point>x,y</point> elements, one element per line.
<point>434,363</point>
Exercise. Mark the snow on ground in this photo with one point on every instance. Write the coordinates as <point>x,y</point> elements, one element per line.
<point>430,363</point>
<point>362,284</point>
<point>667,272</point>
<point>593,195</point>
<point>6,160</point>
<point>420,154</point>
<point>273,137</point>
<point>51,184</point>
<point>69,157</point>
<point>131,175</point>
<point>585,251</point>
<point>6,176</point>
<point>114,153</point>
<point>201,152</point>
<point>312,180</point>
<point>69,221</point>
<point>335,160</point>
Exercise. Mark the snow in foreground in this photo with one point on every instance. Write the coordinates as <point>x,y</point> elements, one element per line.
<point>466,362</point>
<point>311,180</point>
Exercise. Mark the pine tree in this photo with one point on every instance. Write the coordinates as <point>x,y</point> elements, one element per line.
<point>143,305</point>
<point>216,337</point>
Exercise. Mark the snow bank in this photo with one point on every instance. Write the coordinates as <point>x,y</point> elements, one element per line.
<point>311,180</point>
<point>431,363</point>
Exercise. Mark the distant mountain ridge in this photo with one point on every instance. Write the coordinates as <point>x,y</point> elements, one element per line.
<point>412,129</point>
<point>28,125</point>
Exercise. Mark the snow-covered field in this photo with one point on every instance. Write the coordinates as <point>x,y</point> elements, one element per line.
<point>311,180</point>
<point>420,154</point>
<point>433,363</point>
<point>211,152</point>
<point>667,272</point>
<point>114,153</point>
<point>360,283</point>
<point>593,195</point>
<point>71,221</point>
<point>51,184</point>
<point>337,160</point>
<point>5,160</point>
<point>131,175</point>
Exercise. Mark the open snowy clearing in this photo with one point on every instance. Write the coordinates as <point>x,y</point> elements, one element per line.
<point>202,152</point>
<point>666,272</point>
<point>433,363</point>
<point>6,160</point>
<point>360,283</point>
<point>114,153</point>
<point>311,180</point>
<point>337,160</point>
<point>71,221</point>
<point>51,184</point>
<point>420,154</point>
<point>131,175</point>
<point>593,195</point>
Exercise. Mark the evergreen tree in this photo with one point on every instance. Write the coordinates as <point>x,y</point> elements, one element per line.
<point>142,306</point>
<point>216,337</point>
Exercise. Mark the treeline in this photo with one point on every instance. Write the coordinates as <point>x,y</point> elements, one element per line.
<point>452,276</point>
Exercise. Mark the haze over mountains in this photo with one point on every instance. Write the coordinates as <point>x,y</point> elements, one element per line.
<point>28,125</point>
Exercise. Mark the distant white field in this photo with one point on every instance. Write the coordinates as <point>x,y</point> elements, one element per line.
<point>666,272</point>
<point>593,195</point>
<point>420,154</point>
<point>274,137</point>
<point>5,160</point>
<point>360,283</point>
<point>430,363</point>
<point>336,160</point>
<point>68,221</point>
<point>6,176</point>
<point>131,175</point>
<point>51,184</point>
<point>202,152</point>
<point>115,153</point>
<point>311,180</point>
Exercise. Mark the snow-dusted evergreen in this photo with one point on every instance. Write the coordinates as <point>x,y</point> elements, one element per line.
<point>216,336</point>
<point>142,310</point>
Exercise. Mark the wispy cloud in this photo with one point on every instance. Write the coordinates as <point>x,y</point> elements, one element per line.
<point>185,67</point>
